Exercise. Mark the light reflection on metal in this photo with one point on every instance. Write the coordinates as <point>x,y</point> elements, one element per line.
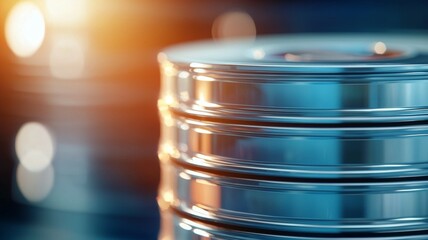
<point>34,146</point>
<point>206,193</point>
<point>200,210</point>
<point>202,156</point>
<point>35,186</point>
<point>282,155</point>
<point>203,131</point>
<point>184,74</point>
<point>198,65</point>
<point>198,174</point>
<point>205,78</point>
<point>184,126</point>
<point>201,233</point>
<point>232,25</point>
<point>184,176</point>
<point>185,226</point>
<point>207,104</point>
<point>198,161</point>
<point>25,29</point>
<point>199,70</point>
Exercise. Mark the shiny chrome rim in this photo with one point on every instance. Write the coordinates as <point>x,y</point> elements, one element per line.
<point>185,228</point>
<point>302,152</point>
<point>299,206</point>
<point>224,80</point>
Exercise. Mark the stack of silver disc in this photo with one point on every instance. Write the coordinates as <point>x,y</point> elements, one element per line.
<point>296,137</point>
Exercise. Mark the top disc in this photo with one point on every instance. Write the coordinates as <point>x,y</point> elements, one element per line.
<point>301,78</point>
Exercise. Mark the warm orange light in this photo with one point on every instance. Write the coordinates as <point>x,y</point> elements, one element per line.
<point>67,58</point>
<point>233,24</point>
<point>25,29</point>
<point>66,12</point>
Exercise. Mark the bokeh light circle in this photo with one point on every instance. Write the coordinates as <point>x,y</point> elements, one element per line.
<point>34,146</point>
<point>25,29</point>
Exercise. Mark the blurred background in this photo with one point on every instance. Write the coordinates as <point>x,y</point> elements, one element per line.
<point>79,83</point>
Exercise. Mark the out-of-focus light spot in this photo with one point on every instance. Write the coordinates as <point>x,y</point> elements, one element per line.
<point>169,100</point>
<point>379,48</point>
<point>34,147</point>
<point>185,226</point>
<point>184,126</point>
<point>201,233</point>
<point>25,29</point>
<point>168,196</point>
<point>232,25</point>
<point>259,54</point>
<point>67,59</point>
<point>35,186</point>
<point>66,12</point>
<point>184,74</point>
<point>168,68</point>
<point>170,150</point>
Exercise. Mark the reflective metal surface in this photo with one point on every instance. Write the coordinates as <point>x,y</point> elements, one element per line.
<point>301,206</point>
<point>185,228</point>
<point>296,137</point>
<point>309,152</point>
<point>338,79</point>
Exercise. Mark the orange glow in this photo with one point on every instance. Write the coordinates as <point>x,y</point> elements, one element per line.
<point>168,196</point>
<point>25,29</point>
<point>232,25</point>
<point>206,193</point>
<point>67,58</point>
<point>66,12</point>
